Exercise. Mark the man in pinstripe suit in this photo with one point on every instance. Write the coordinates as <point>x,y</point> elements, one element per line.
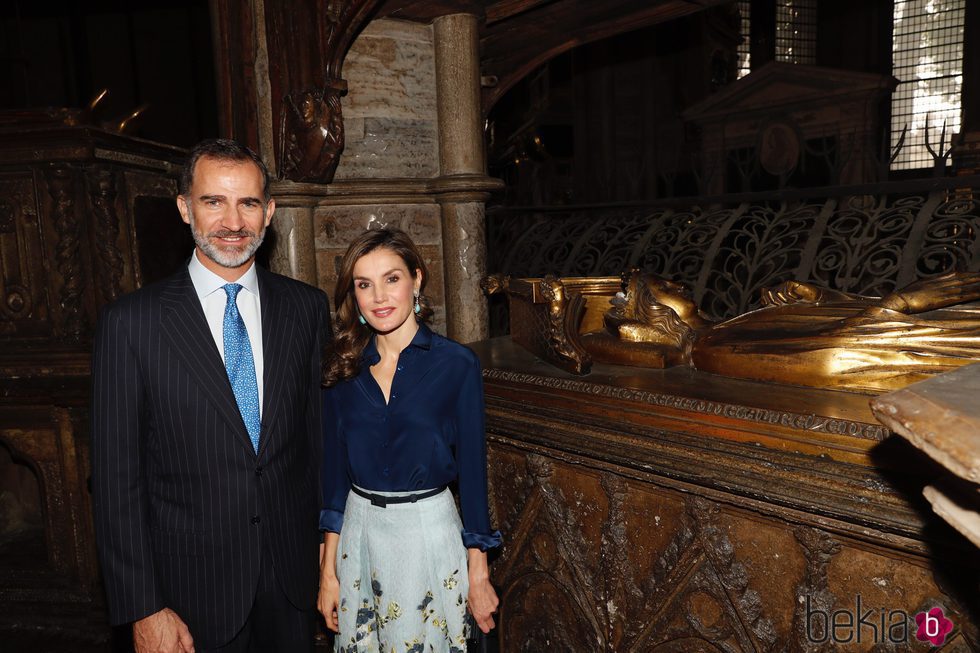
<point>206,427</point>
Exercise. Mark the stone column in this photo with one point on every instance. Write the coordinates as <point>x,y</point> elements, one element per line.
<point>464,264</point>
<point>461,159</point>
<point>292,238</point>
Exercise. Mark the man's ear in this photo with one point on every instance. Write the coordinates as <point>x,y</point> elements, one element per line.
<point>184,209</point>
<point>270,208</point>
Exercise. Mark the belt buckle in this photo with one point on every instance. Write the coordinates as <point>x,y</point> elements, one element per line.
<point>379,501</point>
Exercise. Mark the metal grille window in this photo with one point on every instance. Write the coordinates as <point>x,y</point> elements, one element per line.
<point>796,31</point>
<point>744,47</point>
<point>927,60</point>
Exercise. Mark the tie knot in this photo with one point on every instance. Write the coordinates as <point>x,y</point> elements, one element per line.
<point>231,289</point>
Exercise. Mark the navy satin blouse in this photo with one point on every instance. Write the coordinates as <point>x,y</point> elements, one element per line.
<point>430,433</point>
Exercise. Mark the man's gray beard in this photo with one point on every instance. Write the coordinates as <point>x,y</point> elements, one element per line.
<point>226,259</point>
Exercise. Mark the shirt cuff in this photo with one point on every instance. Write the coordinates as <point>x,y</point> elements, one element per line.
<point>477,540</point>
<point>331,520</point>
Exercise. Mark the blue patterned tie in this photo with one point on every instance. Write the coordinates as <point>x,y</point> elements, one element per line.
<point>241,365</point>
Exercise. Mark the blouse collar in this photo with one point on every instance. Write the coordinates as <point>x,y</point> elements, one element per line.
<point>421,340</point>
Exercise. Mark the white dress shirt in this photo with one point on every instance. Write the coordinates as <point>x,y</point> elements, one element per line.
<point>213,300</point>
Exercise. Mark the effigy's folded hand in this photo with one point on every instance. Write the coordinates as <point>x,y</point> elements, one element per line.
<point>930,294</point>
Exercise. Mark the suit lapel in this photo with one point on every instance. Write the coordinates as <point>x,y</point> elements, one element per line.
<point>277,334</point>
<point>187,329</point>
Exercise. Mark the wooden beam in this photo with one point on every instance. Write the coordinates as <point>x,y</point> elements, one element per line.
<point>510,8</point>
<point>514,47</point>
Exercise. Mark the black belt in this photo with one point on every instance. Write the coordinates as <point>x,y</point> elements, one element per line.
<point>382,501</point>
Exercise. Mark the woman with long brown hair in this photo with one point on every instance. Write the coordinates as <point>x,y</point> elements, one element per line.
<point>403,420</point>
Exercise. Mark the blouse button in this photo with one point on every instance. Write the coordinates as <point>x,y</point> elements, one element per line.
<point>394,396</point>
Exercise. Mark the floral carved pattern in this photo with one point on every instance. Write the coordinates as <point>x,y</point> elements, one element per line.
<point>102,189</point>
<point>8,224</point>
<point>560,593</point>
<point>564,310</point>
<point>60,185</point>
<point>19,248</point>
<point>820,549</point>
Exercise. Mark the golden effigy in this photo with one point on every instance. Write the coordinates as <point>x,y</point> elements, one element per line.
<point>802,335</point>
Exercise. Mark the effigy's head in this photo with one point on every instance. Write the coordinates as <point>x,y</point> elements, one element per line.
<point>646,293</point>
<point>652,311</point>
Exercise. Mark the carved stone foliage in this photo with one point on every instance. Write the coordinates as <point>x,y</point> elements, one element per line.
<point>68,227</point>
<point>880,238</point>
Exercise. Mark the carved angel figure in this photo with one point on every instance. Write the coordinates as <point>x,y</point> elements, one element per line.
<point>311,135</point>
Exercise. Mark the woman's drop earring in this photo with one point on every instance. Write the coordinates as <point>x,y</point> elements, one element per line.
<point>360,318</point>
<point>418,308</point>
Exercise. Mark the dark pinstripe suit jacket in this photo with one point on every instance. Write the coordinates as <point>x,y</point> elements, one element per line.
<point>183,505</point>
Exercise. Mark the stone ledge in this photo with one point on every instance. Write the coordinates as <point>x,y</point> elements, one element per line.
<point>454,188</point>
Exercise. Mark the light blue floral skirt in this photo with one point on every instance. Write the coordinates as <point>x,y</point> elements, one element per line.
<point>403,577</point>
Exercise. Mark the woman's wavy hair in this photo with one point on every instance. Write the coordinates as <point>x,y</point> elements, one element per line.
<point>342,359</point>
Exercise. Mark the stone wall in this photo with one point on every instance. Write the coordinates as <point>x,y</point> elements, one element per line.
<point>413,159</point>
<point>391,124</point>
<point>390,110</point>
<point>336,226</point>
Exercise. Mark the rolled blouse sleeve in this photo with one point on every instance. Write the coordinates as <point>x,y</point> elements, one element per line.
<point>334,478</point>
<point>471,459</point>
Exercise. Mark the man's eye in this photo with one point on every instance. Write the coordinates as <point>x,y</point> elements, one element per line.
<point>212,202</point>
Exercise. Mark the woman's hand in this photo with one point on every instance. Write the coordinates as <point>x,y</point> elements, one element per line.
<point>482,599</point>
<point>328,601</point>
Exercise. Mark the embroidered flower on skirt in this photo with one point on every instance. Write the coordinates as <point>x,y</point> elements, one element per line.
<point>393,559</point>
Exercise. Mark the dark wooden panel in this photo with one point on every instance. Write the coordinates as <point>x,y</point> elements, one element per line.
<point>676,511</point>
<point>68,245</point>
